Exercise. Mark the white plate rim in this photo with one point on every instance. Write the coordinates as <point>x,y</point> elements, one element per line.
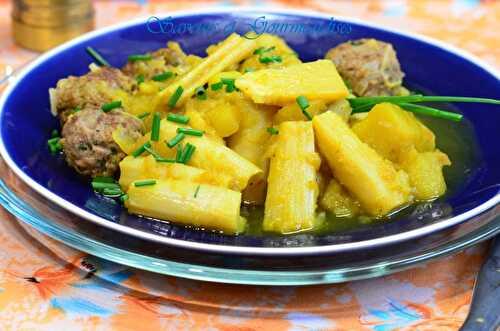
<point>245,250</point>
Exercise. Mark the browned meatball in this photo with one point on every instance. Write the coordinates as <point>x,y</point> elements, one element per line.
<point>370,66</point>
<point>93,89</point>
<point>161,60</point>
<point>88,143</point>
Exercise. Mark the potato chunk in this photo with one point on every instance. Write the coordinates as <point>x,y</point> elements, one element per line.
<point>337,200</point>
<point>317,80</point>
<point>391,131</point>
<point>189,203</point>
<point>137,168</point>
<point>426,173</point>
<point>371,179</point>
<point>292,189</point>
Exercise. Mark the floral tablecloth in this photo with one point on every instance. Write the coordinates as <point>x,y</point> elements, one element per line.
<point>41,287</point>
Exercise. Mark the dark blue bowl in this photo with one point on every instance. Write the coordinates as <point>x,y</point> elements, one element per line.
<point>26,123</point>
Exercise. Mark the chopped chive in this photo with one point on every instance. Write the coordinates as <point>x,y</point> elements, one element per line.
<point>227,81</point>
<point>76,110</point>
<point>111,105</point>
<point>304,104</point>
<point>143,115</point>
<point>431,112</point>
<point>163,76</point>
<point>191,132</point>
<point>54,145</point>
<point>175,97</point>
<point>155,129</point>
<point>200,93</point>
<point>196,191</point>
<point>103,179</point>
<point>141,149</point>
<point>53,140</point>
<point>187,153</point>
<point>177,118</point>
<point>217,86</point>
<point>139,57</point>
<point>54,133</point>
<point>272,130</point>
<point>99,186</point>
<point>164,159</point>
<point>146,182</point>
<point>152,152</point>
<point>140,79</point>
<point>97,57</point>
<point>112,192</point>
<point>261,50</point>
<point>270,59</point>
<point>249,70</point>
<point>178,156</point>
<point>175,140</point>
<point>123,198</point>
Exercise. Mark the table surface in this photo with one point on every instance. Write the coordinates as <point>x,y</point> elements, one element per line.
<point>41,289</point>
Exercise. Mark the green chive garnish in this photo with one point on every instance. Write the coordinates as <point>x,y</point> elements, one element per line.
<point>261,50</point>
<point>175,97</point>
<point>270,59</point>
<point>146,182</point>
<point>99,186</point>
<point>97,57</point>
<point>54,145</point>
<point>272,130</point>
<point>141,149</point>
<point>143,115</point>
<point>155,129</point>
<point>200,93</point>
<point>112,192</point>
<point>151,151</point>
<point>124,198</point>
<point>196,191</point>
<point>139,57</point>
<point>177,139</point>
<point>418,98</point>
<point>304,104</point>
<point>229,82</point>
<point>140,79</point>
<point>111,105</point>
<point>177,118</point>
<point>249,70</point>
<point>103,179</point>
<point>187,153</point>
<point>164,159</point>
<point>76,110</point>
<point>217,86</point>
<point>191,132</point>
<point>178,156</point>
<point>431,112</point>
<point>163,76</point>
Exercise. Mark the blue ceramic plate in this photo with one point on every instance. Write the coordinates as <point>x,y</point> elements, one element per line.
<point>430,66</point>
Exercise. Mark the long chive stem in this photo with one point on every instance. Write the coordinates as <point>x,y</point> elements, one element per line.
<point>155,129</point>
<point>418,98</point>
<point>97,57</point>
<point>424,110</point>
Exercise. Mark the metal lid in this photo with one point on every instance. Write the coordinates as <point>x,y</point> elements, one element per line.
<point>51,16</point>
<point>39,38</point>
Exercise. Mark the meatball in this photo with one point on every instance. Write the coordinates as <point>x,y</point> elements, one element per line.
<point>370,66</point>
<point>88,143</point>
<point>97,87</point>
<point>162,60</point>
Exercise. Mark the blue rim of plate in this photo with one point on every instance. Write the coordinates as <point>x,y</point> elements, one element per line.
<point>28,215</point>
<point>334,248</point>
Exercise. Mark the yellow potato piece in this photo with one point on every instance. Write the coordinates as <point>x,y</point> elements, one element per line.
<point>292,189</point>
<point>137,168</point>
<point>292,112</point>
<point>367,176</point>
<point>338,201</point>
<point>426,173</point>
<point>391,131</point>
<point>231,51</point>
<point>317,80</point>
<point>181,201</point>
